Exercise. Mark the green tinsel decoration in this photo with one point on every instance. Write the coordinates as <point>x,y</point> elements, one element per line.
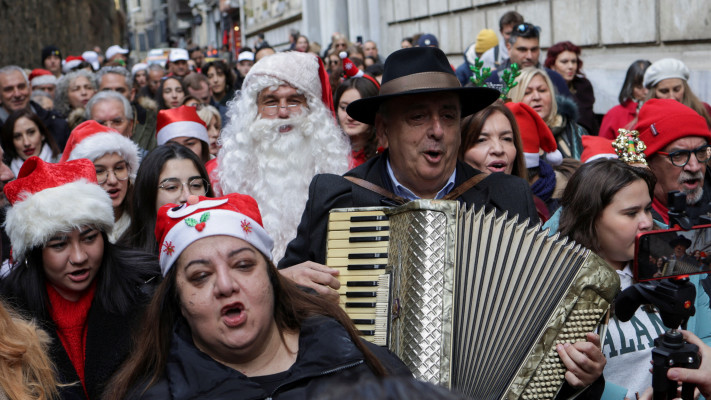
<point>509,77</point>
<point>479,74</point>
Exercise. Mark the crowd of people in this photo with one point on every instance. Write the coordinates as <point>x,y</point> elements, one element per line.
<point>164,227</point>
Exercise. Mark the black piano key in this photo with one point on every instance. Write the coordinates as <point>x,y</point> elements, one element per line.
<point>362,284</point>
<point>362,321</point>
<point>366,333</point>
<point>369,239</point>
<point>360,305</point>
<point>362,256</point>
<point>369,218</point>
<point>369,229</point>
<point>366,267</point>
<point>361,294</point>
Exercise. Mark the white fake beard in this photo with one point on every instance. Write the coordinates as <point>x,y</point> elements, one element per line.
<point>278,169</point>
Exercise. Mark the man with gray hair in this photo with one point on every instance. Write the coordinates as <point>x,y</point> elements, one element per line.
<point>144,112</point>
<point>112,110</point>
<point>15,95</point>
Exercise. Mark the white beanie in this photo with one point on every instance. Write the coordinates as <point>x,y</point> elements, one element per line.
<point>299,70</point>
<point>665,68</point>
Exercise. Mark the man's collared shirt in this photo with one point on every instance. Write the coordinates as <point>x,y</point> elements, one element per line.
<point>407,194</point>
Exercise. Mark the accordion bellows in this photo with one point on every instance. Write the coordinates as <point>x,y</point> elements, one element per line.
<point>476,300</point>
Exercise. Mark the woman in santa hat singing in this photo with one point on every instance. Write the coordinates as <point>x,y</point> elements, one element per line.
<point>225,324</point>
<point>82,290</point>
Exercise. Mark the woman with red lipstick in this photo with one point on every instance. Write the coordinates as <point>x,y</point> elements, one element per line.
<point>116,159</point>
<point>564,58</point>
<point>23,136</point>
<point>170,93</point>
<point>491,142</point>
<point>560,113</point>
<point>73,91</point>
<point>225,324</point>
<point>67,276</point>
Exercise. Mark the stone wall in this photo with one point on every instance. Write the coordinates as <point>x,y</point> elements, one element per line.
<point>612,33</point>
<point>26,26</point>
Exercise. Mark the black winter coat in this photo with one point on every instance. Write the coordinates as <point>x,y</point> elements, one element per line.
<point>326,354</point>
<point>327,191</point>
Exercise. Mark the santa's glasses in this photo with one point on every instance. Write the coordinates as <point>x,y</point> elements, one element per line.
<point>274,109</point>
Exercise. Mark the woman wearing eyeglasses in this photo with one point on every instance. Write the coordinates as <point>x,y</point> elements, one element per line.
<point>116,160</point>
<point>168,174</point>
<point>87,294</point>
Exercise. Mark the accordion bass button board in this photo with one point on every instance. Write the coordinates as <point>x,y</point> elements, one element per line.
<point>470,299</point>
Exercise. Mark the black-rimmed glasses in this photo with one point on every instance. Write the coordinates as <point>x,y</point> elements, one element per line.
<point>680,158</point>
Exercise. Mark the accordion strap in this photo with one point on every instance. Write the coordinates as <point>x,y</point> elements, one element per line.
<point>468,184</point>
<point>377,189</point>
<point>453,195</point>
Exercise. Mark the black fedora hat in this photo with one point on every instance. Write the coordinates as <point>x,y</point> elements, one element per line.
<point>418,70</point>
<point>680,240</point>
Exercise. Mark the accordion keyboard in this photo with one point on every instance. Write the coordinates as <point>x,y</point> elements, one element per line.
<point>357,246</point>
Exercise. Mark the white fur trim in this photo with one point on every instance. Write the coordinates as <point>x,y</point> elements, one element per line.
<point>531,159</point>
<point>220,222</point>
<point>32,221</point>
<point>554,157</point>
<point>180,129</point>
<point>100,144</point>
<point>602,155</point>
<point>44,80</point>
<point>299,70</point>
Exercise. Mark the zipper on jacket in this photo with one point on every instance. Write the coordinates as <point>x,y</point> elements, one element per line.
<point>327,372</point>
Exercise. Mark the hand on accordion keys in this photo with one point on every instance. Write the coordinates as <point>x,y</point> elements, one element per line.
<point>315,276</point>
<point>583,360</point>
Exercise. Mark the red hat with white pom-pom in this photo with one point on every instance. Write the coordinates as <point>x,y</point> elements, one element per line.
<point>535,135</point>
<point>351,71</point>
<point>48,198</point>
<point>235,215</point>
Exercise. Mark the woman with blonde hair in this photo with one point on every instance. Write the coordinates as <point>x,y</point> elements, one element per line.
<point>25,370</point>
<point>536,89</point>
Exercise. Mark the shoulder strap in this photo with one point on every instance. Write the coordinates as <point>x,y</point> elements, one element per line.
<point>468,184</point>
<point>375,188</point>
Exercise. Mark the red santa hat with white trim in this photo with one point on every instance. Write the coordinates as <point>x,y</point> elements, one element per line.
<point>352,71</point>
<point>70,63</point>
<point>40,76</point>
<point>235,215</point>
<point>48,198</point>
<point>303,71</point>
<point>92,140</point>
<point>180,122</point>
<point>535,135</point>
<point>595,148</point>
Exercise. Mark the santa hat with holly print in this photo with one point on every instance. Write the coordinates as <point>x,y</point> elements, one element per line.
<point>48,198</point>
<point>351,71</point>
<point>235,215</point>
<point>92,140</point>
<point>182,121</point>
<point>535,135</point>
<point>303,71</point>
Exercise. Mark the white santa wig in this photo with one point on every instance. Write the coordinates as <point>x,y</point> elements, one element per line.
<point>280,186</point>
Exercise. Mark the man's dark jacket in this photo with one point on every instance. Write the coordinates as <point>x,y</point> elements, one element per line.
<point>327,191</point>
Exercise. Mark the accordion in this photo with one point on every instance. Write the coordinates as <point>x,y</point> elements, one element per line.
<point>469,299</point>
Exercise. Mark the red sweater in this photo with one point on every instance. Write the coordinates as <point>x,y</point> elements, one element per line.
<point>71,319</point>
